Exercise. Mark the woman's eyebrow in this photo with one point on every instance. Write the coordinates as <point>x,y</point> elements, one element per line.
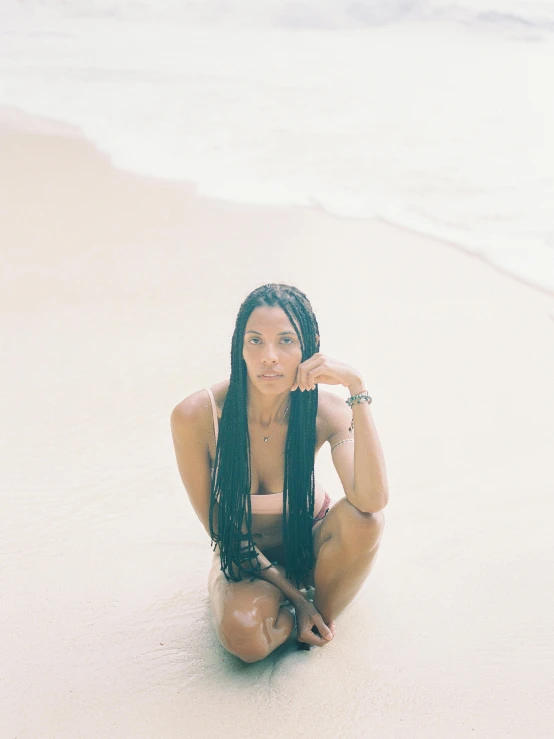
<point>281,333</point>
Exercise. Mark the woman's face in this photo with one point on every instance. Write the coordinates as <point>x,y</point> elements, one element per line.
<point>271,350</point>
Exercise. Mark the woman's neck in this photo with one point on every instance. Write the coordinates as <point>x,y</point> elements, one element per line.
<point>266,410</point>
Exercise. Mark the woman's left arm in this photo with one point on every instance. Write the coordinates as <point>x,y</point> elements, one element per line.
<point>363,472</point>
<point>370,493</point>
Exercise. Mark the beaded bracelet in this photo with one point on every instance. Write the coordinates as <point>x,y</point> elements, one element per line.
<point>363,397</point>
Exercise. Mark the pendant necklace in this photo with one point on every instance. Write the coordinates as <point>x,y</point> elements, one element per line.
<point>267,438</point>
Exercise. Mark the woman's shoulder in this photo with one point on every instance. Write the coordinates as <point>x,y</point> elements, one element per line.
<point>196,407</point>
<point>220,393</point>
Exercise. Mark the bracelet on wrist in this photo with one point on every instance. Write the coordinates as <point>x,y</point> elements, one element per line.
<point>363,397</point>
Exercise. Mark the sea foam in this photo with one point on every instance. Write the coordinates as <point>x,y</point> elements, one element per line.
<point>432,115</point>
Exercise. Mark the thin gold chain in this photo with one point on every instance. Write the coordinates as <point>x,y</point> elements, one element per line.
<point>267,438</point>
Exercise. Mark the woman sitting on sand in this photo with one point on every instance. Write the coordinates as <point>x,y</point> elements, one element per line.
<point>272,422</point>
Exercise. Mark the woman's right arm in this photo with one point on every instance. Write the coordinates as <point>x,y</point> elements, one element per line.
<point>190,433</point>
<point>307,616</point>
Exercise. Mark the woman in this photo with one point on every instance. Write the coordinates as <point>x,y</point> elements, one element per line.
<point>257,433</point>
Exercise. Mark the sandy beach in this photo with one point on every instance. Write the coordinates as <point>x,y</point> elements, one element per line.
<point>118,297</point>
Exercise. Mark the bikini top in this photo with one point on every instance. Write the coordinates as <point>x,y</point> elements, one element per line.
<point>260,502</point>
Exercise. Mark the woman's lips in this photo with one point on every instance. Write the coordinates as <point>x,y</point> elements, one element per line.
<point>270,377</point>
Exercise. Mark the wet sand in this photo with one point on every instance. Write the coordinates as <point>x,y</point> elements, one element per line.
<point>118,296</point>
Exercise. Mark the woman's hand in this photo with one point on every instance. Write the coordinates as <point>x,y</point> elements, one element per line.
<point>322,369</point>
<point>310,626</point>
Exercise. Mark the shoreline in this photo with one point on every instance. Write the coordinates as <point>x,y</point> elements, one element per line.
<point>17,120</point>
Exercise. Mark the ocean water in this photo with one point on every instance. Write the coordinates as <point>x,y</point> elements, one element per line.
<point>433,115</point>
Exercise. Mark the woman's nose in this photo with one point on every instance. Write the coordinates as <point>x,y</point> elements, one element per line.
<point>270,353</point>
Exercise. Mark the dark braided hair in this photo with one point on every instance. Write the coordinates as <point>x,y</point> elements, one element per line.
<point>231,478</point>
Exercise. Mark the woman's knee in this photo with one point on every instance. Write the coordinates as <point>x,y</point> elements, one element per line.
<point>245,633</point>
<point>360,530</point>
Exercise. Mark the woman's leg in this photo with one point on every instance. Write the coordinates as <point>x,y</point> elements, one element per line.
<point>247,616</point>
<point>345,545</point>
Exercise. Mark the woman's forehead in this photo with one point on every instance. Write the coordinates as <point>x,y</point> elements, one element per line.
<point>266,319</point>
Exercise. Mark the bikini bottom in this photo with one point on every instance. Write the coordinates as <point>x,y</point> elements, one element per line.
<point>277,552</point>
<point>324,509</point>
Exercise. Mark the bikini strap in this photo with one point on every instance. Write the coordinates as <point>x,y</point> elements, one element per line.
<point>214,412</point>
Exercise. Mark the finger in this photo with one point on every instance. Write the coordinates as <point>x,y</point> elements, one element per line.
<point>310,635</point>
<point>309,381</point>
<point>307,369</point>
<point>323,629</point>
<point>296,378</point>
<point>297,385</point>
<point>308,364</point>
<point>317,631</point>
<point>302,371</point>
<point>310,638</point>
<point>313,376</point>
<point>294,385</point>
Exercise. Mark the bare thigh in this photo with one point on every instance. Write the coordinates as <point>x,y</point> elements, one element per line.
<point>229,595</point>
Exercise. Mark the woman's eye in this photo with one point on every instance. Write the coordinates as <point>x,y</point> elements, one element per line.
<point>255,340</point>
